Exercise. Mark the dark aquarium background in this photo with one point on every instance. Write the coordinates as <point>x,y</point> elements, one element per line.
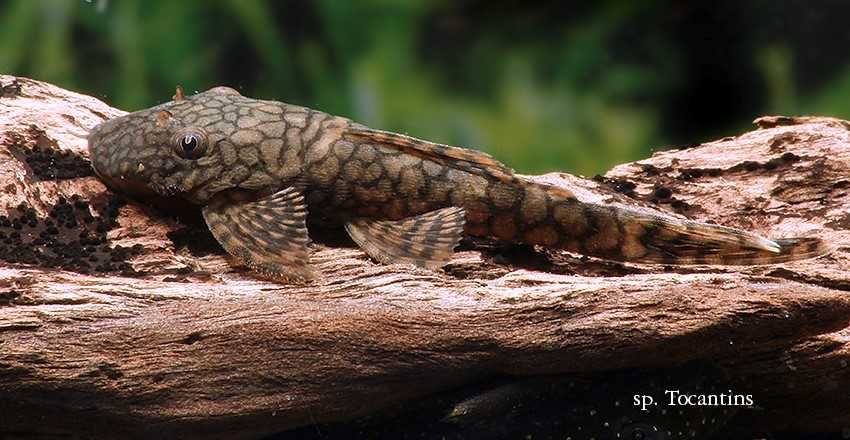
<point>575,86</point>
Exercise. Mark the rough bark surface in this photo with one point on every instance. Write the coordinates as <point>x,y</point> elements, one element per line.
<point>168,339</point>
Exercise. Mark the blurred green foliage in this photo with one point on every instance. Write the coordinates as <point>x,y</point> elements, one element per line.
<point>576,87</point>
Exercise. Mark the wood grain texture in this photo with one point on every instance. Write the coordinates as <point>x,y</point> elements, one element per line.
<point>189,346</point>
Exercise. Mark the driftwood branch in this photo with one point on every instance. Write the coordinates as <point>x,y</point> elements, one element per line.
<point>144,329</point>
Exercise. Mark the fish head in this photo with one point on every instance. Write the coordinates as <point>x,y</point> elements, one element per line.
<point>191,147</point>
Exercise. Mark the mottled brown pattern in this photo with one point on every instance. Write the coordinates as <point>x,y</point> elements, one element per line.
<point>250,160</point>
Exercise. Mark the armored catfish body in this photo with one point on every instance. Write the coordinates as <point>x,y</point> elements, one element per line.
<point>256,168</point>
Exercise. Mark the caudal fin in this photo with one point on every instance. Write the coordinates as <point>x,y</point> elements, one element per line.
<point>707,248</point>
<point>642,237</point>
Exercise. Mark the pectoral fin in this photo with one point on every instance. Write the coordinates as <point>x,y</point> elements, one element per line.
<point>268,235</point>
<point>427,240</point>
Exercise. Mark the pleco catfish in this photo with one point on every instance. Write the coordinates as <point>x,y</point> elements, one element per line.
<point>257,167</point>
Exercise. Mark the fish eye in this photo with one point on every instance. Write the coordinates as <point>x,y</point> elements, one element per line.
<point>190,143</point>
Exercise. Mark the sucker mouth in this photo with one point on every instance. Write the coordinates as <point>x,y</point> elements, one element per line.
<point>128,184</point>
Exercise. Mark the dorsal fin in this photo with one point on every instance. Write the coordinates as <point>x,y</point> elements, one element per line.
<point>472,161</point>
